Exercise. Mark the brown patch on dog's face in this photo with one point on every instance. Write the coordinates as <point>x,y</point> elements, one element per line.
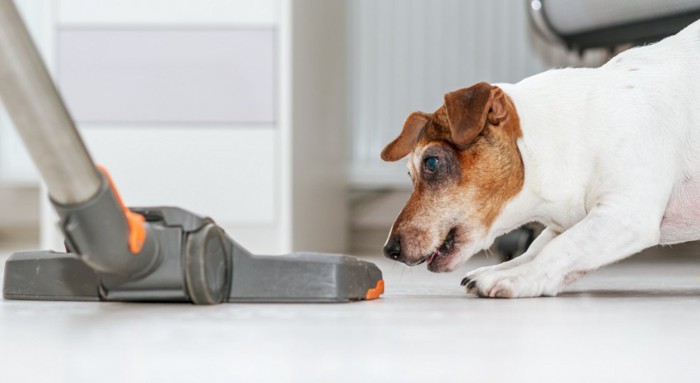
<point>465,165</point>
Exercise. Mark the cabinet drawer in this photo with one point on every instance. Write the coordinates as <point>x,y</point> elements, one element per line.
<point>167,12</point>
<point>227,174</point>
<point>166,76</point>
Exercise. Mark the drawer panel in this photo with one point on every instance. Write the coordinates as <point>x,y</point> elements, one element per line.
<point>165,76</point>
<point>227,174</point>
<point>167,12</point>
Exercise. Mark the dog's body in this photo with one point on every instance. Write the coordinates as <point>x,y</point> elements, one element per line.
<point>607,158</point>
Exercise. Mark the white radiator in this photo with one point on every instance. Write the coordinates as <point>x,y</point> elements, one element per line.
<point>406,54</point>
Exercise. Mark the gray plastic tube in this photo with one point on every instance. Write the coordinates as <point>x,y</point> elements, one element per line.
<point>40,116</point>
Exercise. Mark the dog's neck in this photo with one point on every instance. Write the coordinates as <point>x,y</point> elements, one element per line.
<point>538,201</point>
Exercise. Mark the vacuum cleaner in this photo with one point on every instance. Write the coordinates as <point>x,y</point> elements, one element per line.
<point>116,253</point>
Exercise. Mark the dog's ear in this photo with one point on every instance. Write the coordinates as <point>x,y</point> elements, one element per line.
<point>469,109</point>
<point>404,143</point>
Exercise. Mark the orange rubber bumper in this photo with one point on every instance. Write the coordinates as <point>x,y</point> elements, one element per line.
<point>375,292</point>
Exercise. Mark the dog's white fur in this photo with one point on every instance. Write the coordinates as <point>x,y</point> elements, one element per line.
<point>612,165</point>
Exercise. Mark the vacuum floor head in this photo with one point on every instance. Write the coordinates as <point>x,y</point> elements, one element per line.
<point>196,262</point>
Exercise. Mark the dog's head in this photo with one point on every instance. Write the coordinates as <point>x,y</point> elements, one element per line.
<point>465,166</point>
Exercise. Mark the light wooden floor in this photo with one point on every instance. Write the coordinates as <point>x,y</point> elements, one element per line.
<point>637,321</point>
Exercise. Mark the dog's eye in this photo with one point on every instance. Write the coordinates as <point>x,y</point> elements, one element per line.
<point>431,163</point>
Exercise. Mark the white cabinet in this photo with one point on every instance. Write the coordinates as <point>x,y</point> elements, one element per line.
<point>231,109</point>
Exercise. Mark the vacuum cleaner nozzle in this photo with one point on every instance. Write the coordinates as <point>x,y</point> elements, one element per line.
<point>196,262</point>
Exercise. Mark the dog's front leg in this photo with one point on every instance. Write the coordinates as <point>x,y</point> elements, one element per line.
<point>546,236</point>
<point>606,235</point>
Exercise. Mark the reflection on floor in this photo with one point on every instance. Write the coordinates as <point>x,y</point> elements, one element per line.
<point>638,320</point>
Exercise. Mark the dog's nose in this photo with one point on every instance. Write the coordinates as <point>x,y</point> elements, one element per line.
<point>392,249</point>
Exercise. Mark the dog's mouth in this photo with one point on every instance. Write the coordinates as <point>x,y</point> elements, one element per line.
<point>438,258</point>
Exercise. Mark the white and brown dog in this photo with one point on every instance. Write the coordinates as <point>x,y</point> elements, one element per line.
<point>607,158</point>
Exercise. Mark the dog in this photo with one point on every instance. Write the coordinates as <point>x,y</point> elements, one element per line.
<point>607,158</point>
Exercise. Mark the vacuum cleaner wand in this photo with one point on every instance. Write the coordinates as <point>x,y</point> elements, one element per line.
<point>145,254</point>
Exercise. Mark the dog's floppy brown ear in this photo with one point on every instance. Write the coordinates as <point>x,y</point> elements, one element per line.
<point>469,109</point>
<point>404,143</point>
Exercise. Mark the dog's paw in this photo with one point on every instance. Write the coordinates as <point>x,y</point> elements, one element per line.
<point>470,276</point>
<point>518,282</point>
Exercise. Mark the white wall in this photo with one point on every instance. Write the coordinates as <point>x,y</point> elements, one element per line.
<point>319,118</point>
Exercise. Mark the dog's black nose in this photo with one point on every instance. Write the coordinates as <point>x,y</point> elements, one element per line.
<point>392,249</point>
